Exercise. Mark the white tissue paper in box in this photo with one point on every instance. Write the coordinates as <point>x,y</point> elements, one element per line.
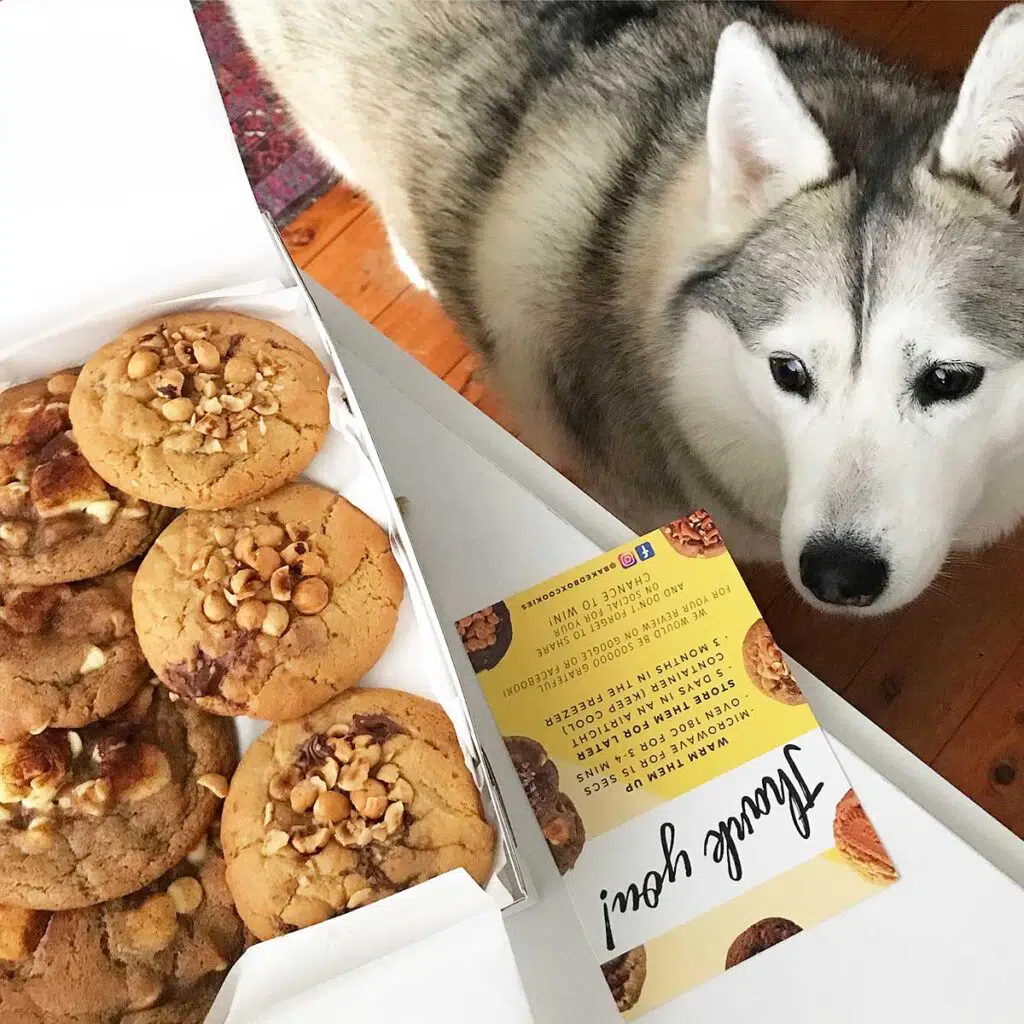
<point>434,954</point>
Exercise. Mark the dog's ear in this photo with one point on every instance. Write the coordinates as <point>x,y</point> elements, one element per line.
<point>763,145</point>
<point>984,140</point>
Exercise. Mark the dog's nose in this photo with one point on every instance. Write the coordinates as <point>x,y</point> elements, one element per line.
<point>843,572</point>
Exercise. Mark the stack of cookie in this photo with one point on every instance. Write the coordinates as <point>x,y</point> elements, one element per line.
<point>255,596</point>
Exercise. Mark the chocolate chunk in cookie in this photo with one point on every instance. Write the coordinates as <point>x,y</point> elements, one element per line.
<point>59,521</point>
<point>201,410</point>
<point>91,814</point>
<point>758,937</point>
<point>159,954</point>
<point>486,635</point>
<point>695,536</point>
<point>625,976</point>
<point>766,667</point>
<point>68,653</point>
<point>271,609</point>
<point>364,797</point>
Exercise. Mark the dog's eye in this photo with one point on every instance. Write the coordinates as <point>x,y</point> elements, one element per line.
<point>947,382</point>
<point>790,374</point>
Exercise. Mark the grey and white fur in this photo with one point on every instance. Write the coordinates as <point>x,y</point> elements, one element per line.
<point>711,256</point>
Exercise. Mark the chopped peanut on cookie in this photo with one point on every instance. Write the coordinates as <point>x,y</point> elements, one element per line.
<point>270,609</point>
<point>201,410</point>
<point>362,798</point>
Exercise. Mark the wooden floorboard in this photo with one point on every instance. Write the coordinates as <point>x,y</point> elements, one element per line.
<point>945,676</point>
<point>944,651</point>
<point>417,323</point>
<point>313,230</point>
<point>357,267</point>
<point>985,757</point>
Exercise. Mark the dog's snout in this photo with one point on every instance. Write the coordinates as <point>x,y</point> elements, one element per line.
<point>843,572</point>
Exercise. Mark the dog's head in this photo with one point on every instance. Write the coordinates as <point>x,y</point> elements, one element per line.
<point>869,286</point>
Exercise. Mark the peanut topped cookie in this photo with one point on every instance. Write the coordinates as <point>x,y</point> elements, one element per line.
<point>766,666</point>
<point>89,815</point>
<point>695,536</point>
<point>201,410</point>
<point>155,957</point>
<point>271,609</point>
<point>68,653</point>
<point>58,520</point>
<point>366,796</point>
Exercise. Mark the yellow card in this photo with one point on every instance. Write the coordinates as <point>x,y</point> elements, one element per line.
<point>682,782</point>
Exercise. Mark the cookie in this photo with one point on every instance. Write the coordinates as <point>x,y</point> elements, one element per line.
<point>564,831</point>
<point>695,536</point>
<point>537,773</point>
<point>58,520</point>
<point>158,955</point>
<point>271,609</point>
<point>766,667</point>
<point>68,653</point>
<point>201,410</point>
<point>625,976</point>
<point>364,797</point>
<point>859,843</point>
<point>94,814</point>
<point>486,635</point>
<point>758,937</point>
<point>556,814</point>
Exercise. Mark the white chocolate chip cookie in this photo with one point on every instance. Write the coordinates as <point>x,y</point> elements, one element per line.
<point>68,653</point>
<point>88,815</point>
<point>156,956</point>
<point>58,520</point>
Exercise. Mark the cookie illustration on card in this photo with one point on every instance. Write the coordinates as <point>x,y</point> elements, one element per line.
<point>761,935</point>
<point>695,536</point>
<point>486,635</point>
<point>625,976</point>
<point>859,843</point>
<point>766,666</point>
<point>557,815</point>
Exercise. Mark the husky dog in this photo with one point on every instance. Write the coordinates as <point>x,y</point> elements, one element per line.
<point>711,256</point>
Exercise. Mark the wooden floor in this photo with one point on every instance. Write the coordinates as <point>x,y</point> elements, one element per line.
<point>946,676</point>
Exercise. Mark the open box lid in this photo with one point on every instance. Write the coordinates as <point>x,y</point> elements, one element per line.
<point>133,208</point>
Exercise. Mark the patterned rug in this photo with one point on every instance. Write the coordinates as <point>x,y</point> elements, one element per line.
<point>285,173</point>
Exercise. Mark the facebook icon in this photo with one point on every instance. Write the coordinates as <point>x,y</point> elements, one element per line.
<point>645,551</point>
